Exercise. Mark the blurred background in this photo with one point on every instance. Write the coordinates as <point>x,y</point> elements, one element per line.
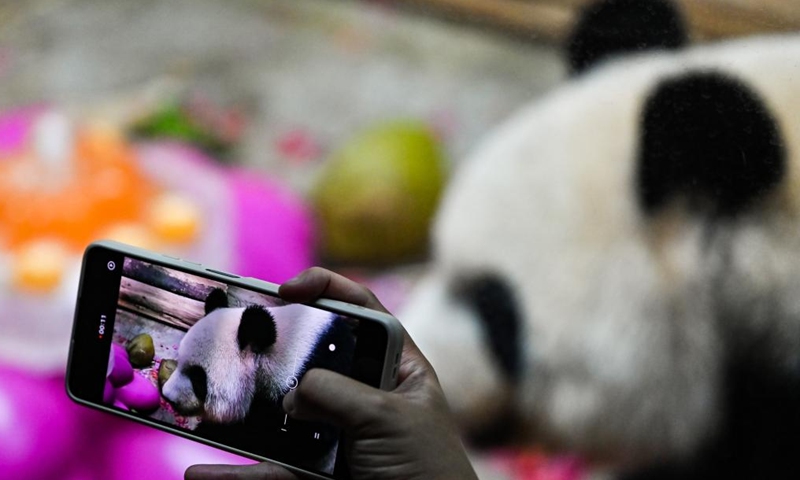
<point>259,137</point>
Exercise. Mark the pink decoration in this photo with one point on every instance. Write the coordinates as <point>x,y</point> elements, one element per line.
<point>298,145</point>
<point>137,452</point>
<point>140,395</point>
<point>14,128</point>
<point>108,393</point>
<point>274,229</point>
<point>122,371</point>
<point>38,426</point>
<point>535,465</point>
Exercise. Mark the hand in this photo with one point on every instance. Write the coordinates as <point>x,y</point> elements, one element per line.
<point>405,434</point>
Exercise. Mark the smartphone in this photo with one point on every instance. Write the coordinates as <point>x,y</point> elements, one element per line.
<point>209,355</point>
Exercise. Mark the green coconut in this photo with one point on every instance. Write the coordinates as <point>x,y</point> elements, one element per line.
<point>376,197</point>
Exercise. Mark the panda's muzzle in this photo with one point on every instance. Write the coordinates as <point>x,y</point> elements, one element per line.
<point>502,431</point>
<point>186,390</point>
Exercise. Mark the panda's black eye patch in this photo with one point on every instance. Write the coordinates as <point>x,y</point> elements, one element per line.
<point>494,302</point>
<point>197,375</point>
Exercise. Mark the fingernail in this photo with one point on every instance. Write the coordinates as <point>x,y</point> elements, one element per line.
<point>297,279</point>
<point>214,472</point>
<point>197,472</point>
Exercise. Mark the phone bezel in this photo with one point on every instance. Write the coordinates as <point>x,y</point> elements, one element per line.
<point>88,355</point>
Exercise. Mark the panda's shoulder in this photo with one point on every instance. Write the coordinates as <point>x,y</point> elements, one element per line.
<point>335,346</point>
<point>339,328</point>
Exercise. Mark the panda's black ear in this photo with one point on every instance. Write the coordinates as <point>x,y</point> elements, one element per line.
<point>257,329</point>
<point>216,299</point>
<point>709,141</point>
<point>612,27</point>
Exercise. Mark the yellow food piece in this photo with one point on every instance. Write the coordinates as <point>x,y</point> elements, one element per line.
<point>132,234</point>
<point>174,218</point>
<point>39,266</point>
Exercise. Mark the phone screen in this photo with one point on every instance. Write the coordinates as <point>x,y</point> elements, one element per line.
<point>212,359</point>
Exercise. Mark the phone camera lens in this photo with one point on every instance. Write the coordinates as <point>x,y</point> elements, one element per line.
<point>111,266</point>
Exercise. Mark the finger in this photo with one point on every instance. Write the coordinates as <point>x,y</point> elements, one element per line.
<point>412,360</point>
<point>325,396</point>
<point>261,471</point>
<point>317,282</point>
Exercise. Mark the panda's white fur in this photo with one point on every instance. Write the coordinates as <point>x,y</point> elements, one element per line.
<point>235,375</point>
<point>622,353</point>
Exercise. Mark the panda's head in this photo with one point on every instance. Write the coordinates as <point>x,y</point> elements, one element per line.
<point>219,360</point>
<point>606,256</point>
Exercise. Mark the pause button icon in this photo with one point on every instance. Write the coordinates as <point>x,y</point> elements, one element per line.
<point>316,435</point>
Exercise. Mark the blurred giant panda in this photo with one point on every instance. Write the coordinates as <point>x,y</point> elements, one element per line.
<point>617,268</point>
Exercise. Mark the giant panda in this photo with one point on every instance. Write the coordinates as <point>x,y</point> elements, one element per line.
<point>616,269</point>
<point>236,364</point>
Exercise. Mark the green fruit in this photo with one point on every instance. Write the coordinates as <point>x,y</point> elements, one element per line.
<point>141,351</point>
<point>165,371</point>
<point>377,195</point>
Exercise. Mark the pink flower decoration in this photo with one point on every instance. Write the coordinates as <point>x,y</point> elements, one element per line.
<point>298,145</point>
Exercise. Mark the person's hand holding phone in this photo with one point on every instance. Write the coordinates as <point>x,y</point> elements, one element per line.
<point>404,434</point>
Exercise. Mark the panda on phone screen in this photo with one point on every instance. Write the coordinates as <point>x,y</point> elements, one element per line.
<point>235,365</point>
<point>616,270</point>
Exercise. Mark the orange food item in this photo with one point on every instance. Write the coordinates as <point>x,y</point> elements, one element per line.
<point>96,186</point>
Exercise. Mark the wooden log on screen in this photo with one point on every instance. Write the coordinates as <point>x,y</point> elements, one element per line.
<point>159,304</point>
<point>126,316</point>
<point>177,298</point>
<point>242,297</point>
<point>173,281</point>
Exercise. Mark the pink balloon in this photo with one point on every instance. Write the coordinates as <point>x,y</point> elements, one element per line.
<point>274,230</point>
<point>39,432</point>
<point>109,393</point>
<point>122,371</point>
<point>139,452</point>
<point>118,350</point>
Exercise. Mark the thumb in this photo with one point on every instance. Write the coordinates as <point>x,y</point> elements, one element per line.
<point>261,471</point>
<point>325,396</point>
